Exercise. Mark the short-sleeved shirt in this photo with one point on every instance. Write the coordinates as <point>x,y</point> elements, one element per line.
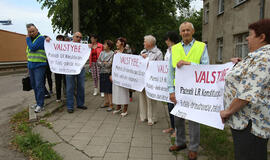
<point>250,80</point>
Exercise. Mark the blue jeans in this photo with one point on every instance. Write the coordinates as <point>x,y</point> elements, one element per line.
<point>37,76</point>
<point>70,84</point>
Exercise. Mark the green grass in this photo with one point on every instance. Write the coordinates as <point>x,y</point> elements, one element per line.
<point>45,124</point>
<point>31,144</point>
<point>216,143</point>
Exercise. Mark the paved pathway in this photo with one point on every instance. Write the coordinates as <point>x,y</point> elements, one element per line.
<point>99,135</point>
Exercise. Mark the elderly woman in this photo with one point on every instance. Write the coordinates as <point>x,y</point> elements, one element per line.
<point>247,96</point>
<point>146,105</point>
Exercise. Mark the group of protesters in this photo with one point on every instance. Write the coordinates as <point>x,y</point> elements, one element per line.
<point>247,85</point>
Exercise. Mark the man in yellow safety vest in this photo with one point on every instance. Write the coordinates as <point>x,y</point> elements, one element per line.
<point>187,52</point>
<point>37,62</point>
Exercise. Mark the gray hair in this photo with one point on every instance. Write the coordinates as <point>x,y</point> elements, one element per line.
<point>30,25</point>
<point>151,39</point>
<point>186,22</point>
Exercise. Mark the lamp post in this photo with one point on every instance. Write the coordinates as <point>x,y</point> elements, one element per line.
<point>76,16</point>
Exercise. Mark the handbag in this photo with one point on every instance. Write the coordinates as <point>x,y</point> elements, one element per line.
<point>26,83</point>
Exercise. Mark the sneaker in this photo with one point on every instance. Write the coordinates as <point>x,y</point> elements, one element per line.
<point>105,105</point>
<point>109,109</point>
<point>95,92</point>
<point>39,109</point>
<point>47,96</point>
<point>51,92</point>
<point>82,107</point>
<point>102,94</point>
<point>34,106</point>
<point>58,100</point>
<point>70,110</point>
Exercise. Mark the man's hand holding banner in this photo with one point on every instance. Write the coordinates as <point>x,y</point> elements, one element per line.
<point>199,93</point>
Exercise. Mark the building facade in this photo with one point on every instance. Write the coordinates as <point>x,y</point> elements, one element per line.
<point>225,26</point>
<point>12,47</point>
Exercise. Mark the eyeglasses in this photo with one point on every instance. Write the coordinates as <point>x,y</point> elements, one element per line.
<point>78,37</point>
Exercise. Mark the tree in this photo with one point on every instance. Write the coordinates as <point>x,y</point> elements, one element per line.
<point>110,19</point>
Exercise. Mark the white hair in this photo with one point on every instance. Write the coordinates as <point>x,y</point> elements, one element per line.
<point>151,39</point>
<point>186,22</point>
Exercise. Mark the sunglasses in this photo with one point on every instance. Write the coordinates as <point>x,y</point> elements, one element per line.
<point>78,37</point>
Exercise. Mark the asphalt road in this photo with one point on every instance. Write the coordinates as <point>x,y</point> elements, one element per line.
<point>12,100</point>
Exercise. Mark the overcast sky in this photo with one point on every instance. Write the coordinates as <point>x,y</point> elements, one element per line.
<point>22,12</point>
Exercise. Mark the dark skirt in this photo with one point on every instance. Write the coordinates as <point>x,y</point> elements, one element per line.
<point>105,83</point>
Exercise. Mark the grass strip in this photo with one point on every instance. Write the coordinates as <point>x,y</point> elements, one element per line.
<point>216,143</point>
<point>31,144</point>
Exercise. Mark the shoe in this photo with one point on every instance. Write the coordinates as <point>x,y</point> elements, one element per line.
<point>117,111</point>
<point>192,155</point>
<point>151,123</point>
<point>47,96</point>
<point>123,114</point>
<point>39,109</point>
<point>58,100</point>
<point>82,107</point>
<point>105,106</point>
<point>102,94</point>
<point>70,110</point>
<point>143,120</point>
<point>51,92</point>
<point>95,92</point>
<point>34,106</point>
<point>177,148</point>
<point>109,109</point>
<point>130,99</point>
<point>169,130</point>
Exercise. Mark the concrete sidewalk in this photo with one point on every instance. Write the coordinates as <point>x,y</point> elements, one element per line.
<point>98,135</point>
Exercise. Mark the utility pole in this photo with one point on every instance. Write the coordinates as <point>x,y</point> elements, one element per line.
<point>76,16</point>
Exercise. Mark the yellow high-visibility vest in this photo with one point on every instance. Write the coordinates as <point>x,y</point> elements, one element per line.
<point>194,55</point>
<point>36,56</point>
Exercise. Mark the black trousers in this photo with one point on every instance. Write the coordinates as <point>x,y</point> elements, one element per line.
<point>48,76</point>
<point>170,108</point>
<point>248,146</point>
<point>130,93</point>
<point>59,79</point>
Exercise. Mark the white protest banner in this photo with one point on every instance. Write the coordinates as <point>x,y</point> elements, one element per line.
<point>66,57</point>
<point>156,86</point>
<point>129,70</point>
<point>199,93</point>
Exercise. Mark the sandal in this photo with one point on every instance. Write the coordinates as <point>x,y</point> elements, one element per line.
<point>169,130</point>
<point>123,114</point>
<point>117,111</point>
<point>150,123</point>
<point>105,105</point>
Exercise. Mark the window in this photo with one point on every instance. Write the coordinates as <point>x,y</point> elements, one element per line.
<point>220,6</point>
<point>219,49</point>
<point>241,45</point>
<point>237,2</point>
<point>206,13</point>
